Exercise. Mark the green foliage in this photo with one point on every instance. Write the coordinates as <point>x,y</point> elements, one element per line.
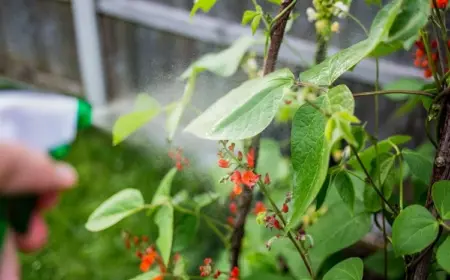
<point>443,255</point>
<point>115,209</point>
<point>146,108</point>
<point>269,153</point>
<point>344,185</point>
<point>413,230</point>
<point>164,221</point>
<point>401,84</point>
<point>441,198</point>
<point>372,200</point>
<point>420,166</point>
<point>205,199</point>
<point>162,193</point>
<point>351,268</point>
<point>375,263</point>
<point>245,111</point>
<point>334,66</point>
<point>204,5</point>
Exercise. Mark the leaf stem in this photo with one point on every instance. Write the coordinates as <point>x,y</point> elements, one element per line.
<point>277,17</point>
<point>401,182</point>
<point>372,183</point>
<point>445,226</point>
<point>204,216</point>
<point>384,92</point>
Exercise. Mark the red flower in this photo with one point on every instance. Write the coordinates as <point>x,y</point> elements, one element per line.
<point>148,259</point>
<point>231,147</point>
<point>420,53</point>
<point>267,179</point>
<point>237,189</point>
<point>285,208</point>
<point>425,63</point>
<point>249,178</point>
<point>207,261</point>
<point>233,207</point>
<point>159,277</point>
<point>205,270</point>
<point>240,155</point>
<point>427,73</point>
<point>223,163</point>
<point>434,44</point>
<point>217,274</point>
<point>441,4</point>
<point>259,207</point>
<point>234,272</point>
<point>230,221</point>
<point>236,177</point>
<point>251,158</point>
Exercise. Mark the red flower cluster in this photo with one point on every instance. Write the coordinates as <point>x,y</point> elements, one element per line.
<point>149,258</point>
<point>441,4</point>
<point>272,222</point>
<point>206,269</point>
<point>234,274</point>
<point>259,208</point>
<point>180,160</point>
<point>421,59</point>
<point>233,210</point>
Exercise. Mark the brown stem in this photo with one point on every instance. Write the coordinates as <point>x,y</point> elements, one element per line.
<point>441,171</point>
<point>245,199</point>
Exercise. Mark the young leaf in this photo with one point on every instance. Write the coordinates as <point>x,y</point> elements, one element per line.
<point>413,230</point>
<point>174,115</point>
<point>204,5</point>
<point>255,23</point>
<point>179,269</point>
<point>164,221</point>
<point>163,191</point>
<point>310,155</point>
<point>344,185</point>
<point>441,198</point>
<point>384,146</point>
<point>334,66</point>
<point>351,268</point>
<point>341,100</point>
<point>245,111</point>
<point>402,84</point>
<point>420,166</point>
<point>205,199</point>
<point>115,209</point>
<point>443,255</point>
<point>248,16</point>
<point>146,108</point>
<point>224,63</point>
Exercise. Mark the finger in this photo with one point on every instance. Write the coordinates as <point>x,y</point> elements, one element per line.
<point>35,238</point>
<point>9,265</point>
<point>24,171</point>
<point>48,200</point>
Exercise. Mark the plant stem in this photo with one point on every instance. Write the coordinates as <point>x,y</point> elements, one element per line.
<point>445,226</point>
<point>401,182</point>
<point>426,43</point>
<point>355,19</point>
<point>321,49</point>
<point>270,60</point>
<point>372,183</point>
<point>384,92</point>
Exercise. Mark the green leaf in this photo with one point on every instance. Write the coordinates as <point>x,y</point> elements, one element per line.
<point>163,191</point>
<point>248,16</point>
<point>372,201</point>
<point>360,137</point>
<point>341,99</point>
<point>164,221</point>
<point>185,232</point>
<point>344,185</point>
<point>310,156</point>
<point>115,209</point>
<point>179,269</point>
<point>441,198</point>
<point>349,269</point>
<point>375,263</point>
<point>384,146</point>
<point>334,66</point>
<point>147,276</point>
<point>270,160</point>
<point>146,108</point>
<point>419,166</point>
<point>245,111</point>
<point>224,63</point>
<point>323,192</point>
<point>339,229</point>
<point>204,5</point>
<point>412,18</point>
<point>174,115</point>
<point>413,230</point>
<point>403,84</point>
<point>258,275</point>
<point>443,255</point>
<point>276,2</point>
<point>205,199</point>
<point>255,23</point>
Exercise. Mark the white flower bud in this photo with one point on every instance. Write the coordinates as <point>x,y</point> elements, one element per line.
<point>311,14</point>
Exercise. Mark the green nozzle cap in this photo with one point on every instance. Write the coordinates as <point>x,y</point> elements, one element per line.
<point>84,114</point>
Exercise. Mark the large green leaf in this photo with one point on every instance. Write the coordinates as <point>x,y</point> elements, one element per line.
<point>339,229</point>
<point>204,5</point>
<point>224,63</point>
<point>163,191</point>
<point>441,198</point>
<point>146,108</point>
<point>443,255</point>
<point>164,221</point>
<point>310,156</point>
<point>413,230</point>
<point>245,111</point>
<point>334,66</point>
<point>349,269</point>
<point>344,185</point>
<point>419,166</point>
<point>383,146</point>
<point>375,263</point>
<point>403,84</point>
<point>115,209</point>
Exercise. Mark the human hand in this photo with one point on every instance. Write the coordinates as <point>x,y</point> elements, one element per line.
<point>23,171</point>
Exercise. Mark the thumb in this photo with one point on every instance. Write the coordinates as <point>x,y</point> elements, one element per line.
<point>9,265</point>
